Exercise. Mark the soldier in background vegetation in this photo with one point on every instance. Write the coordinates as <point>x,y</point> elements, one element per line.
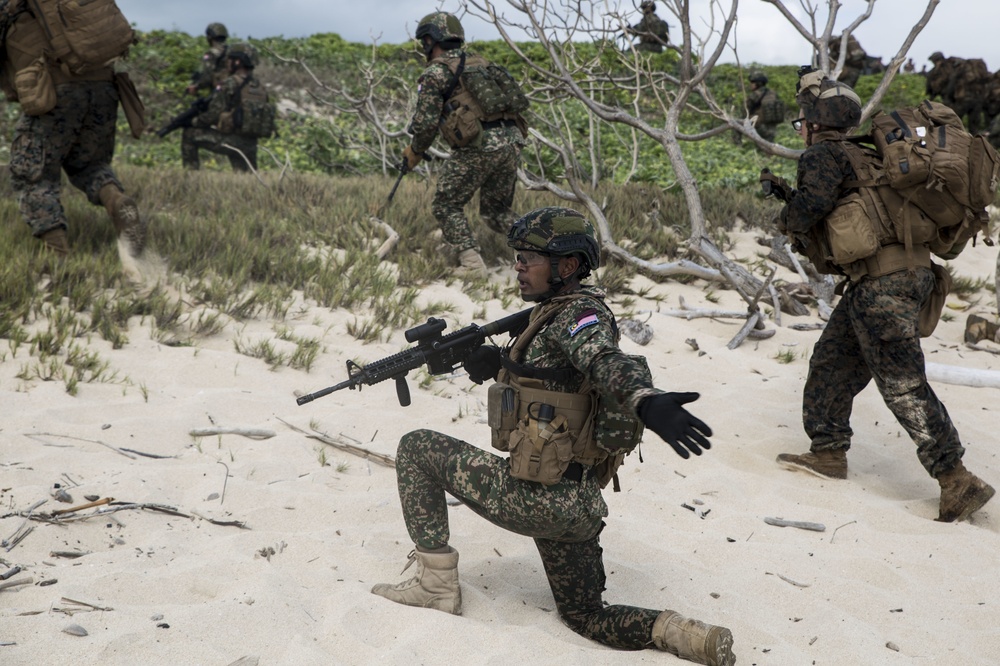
<point>76,135</point>
<point>766,105</point>
<point>873,331</point>
<point>214,64</point>
<point>653,32</point>
<point>214,130</point>
<point>486,149</point>
<point>855,63</point>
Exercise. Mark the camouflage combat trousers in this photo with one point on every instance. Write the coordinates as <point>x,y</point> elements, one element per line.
<point>564,520</point>
<point>494,174</point>
<point>195,138</point>
<point>872,334</point>
<point>77,136</point>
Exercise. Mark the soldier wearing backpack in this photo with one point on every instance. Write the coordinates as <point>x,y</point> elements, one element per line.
<point>476,105</point>
<point>565,403</point>
<point>239,113</point>
<point>214,63</point>
<point>873,333</point>
<point>764,103</point>
<point>58,67</point>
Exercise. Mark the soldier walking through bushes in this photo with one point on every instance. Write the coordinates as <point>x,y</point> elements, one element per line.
<point>566,403</point>
<point>477,106</point>
<point>652,31</point>
<point>239,113</point>
<point>69,111</point>
<point>873,331</point>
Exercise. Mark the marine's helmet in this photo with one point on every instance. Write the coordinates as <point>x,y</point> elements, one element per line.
<point>558,232</point>
<point>216,31</point>
<point>759,77</point>
<point>245,53</point>
<point>647,6</point>
<point>825,101</point>
<point>440,27</point>
<point>937,56</point>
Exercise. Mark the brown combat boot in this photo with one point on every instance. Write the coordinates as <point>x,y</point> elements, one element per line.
<point>434,585</point>
<point>471,265</point>
<point>829,464</point>
<point>124,213</point>
<point>962,494</point>
<point>56,241</point>
<point>979,328</point>
<point>693,640</point>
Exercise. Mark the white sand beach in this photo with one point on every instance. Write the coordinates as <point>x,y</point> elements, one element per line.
<point>317,527</point>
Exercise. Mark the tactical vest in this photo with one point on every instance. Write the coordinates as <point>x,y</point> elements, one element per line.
<point>544,431</point>
<point>480,92</point>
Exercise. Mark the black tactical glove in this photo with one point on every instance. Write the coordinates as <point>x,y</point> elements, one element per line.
<point>664,415</point>
<point>483,363</point>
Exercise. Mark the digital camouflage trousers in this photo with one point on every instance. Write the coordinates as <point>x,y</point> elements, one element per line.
<point>564,520</point>
<point>196,138</point>
<point>872,334</point>
<point>78,137</point>
<point>494,174</point>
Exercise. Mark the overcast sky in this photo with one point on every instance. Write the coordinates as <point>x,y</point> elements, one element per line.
<point>964,28</point>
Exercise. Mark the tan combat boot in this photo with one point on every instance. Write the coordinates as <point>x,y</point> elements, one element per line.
<point>124,213</point>
<point>962,494</point>
<point>690,639</point>
<point>56,241</point>
<point>471,265</point>
<point>434,585</point>
<point>826,464</point>
<point>979,328</point>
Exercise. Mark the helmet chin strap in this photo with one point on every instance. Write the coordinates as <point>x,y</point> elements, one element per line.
<point>428,46</point>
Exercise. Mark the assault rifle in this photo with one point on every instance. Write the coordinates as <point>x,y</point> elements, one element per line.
<point>441,354</point>
<point>184,119</point>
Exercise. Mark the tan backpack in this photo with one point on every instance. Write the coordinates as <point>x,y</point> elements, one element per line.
<point>930,159</point>
<point>82,35</point>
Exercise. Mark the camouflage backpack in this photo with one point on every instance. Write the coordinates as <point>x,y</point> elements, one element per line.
<point>255,114</point>
<point>772,109</point>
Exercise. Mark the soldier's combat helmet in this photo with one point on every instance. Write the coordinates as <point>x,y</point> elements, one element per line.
<point>439,27</point>
<point>557,232</point>
<point>647,6</point>
<point>827,102</point>
<point>245,53</point>
<point>216,31</point>
<point>936,56</point>
<point>759,77</point>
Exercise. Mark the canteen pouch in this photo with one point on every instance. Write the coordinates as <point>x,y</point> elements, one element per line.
<point>35,89</point>
<point>540,451</point>
<point>850,230</point>
<point>461,126</point>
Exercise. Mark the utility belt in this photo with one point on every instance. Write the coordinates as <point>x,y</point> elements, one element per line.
<point>889,259</point>
<point>493,124</point>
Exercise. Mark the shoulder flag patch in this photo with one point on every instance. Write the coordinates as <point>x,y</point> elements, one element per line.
<point>583,320</point>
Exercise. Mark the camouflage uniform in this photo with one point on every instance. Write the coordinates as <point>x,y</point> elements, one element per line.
<point>754,102</point>
<point>565,519</point>
<point>78,137</point>
<point>855,61</point>
<point>203,135</point>
<point>872,333</point>
<point>653,33</point>
<point>488,164</point>
<point>214,68</point>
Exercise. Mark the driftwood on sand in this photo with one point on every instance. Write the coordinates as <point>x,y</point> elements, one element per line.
<point>252,433</point>
<point>340,444</point>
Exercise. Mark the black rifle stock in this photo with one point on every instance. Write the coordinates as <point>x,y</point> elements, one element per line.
<point>184,119</point>
<point>440,353</point>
